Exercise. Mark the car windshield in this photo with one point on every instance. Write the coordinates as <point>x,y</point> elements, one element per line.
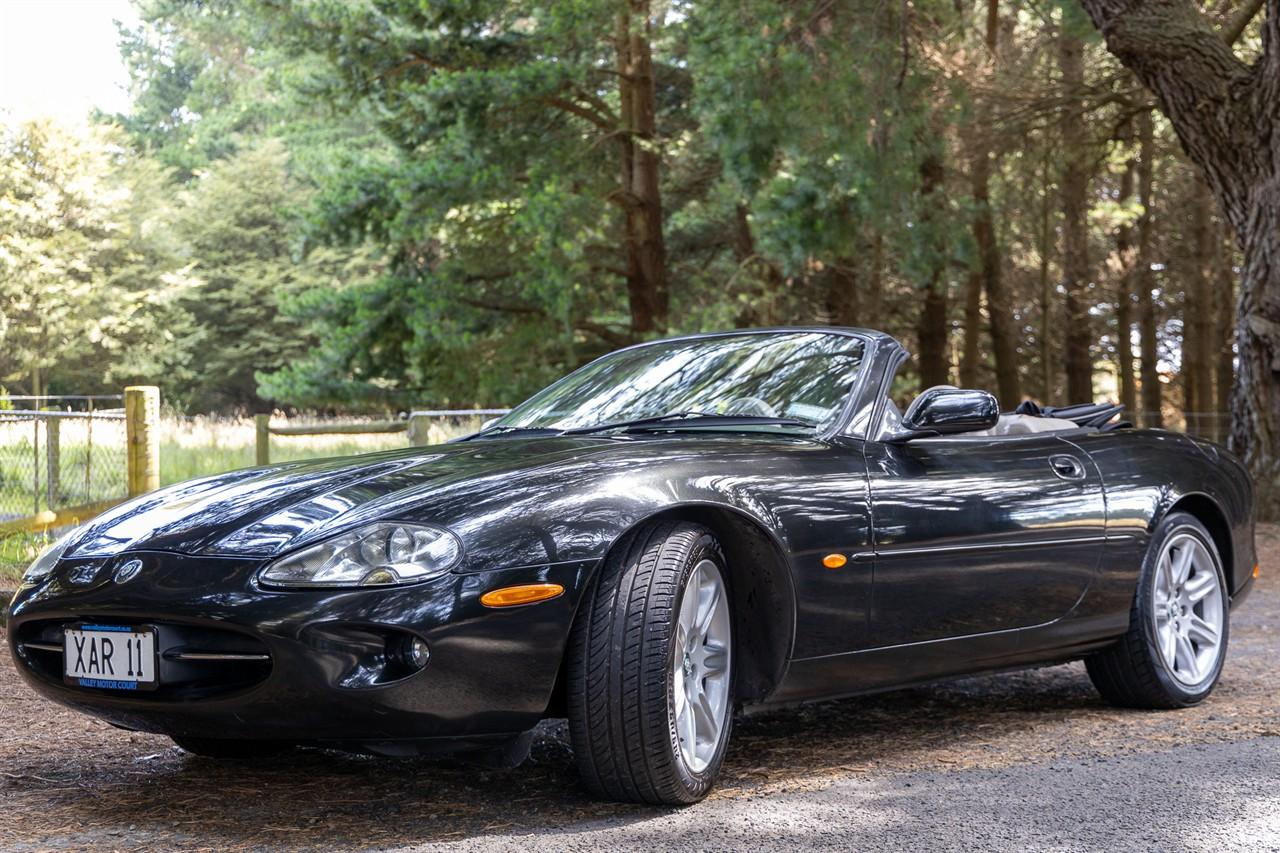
<point>797,376</point>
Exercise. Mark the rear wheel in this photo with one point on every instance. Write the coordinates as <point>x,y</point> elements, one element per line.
<point>1173,653</point>
<point>224,748</point>
<point>651,669</point>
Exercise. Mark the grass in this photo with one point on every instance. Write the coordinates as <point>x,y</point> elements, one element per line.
<point>17,550</point>
<point>201,446</point>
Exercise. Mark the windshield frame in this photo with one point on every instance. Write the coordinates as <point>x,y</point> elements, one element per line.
<point>849,404</point>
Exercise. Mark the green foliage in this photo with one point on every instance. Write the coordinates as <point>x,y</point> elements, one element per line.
<point>87,271</point>
<point>238,222</point>
<point>373,204</point>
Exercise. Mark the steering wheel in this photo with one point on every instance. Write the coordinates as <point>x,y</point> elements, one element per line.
<point>750,406</point>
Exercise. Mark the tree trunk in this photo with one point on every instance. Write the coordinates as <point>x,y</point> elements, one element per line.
<point>1197,318</point>
<point>971,353</point>
<point>1224,309</point>
<point>1047,371</point>
<point>1149,374</point>
<point>875,290</point>
<point>1225,113</point>
<point>932,336</point>
<point>1075,224</point>
<point>1004,336</point>
<point>640,195</point>
<point>842,293</point>
<point>1126,258</point>
<point>933,329</point>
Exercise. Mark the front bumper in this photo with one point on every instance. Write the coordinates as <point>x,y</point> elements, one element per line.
<point>305,666</point>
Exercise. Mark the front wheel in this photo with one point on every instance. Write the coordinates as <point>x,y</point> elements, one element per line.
<point>1173,653</point>
<point>651,669</point>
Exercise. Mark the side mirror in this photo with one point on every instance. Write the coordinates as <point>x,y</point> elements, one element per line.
<point>943,410</point>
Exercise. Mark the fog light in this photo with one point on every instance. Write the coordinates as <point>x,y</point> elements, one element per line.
<point>414,653</point>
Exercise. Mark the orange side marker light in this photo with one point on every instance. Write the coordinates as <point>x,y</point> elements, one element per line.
<point>834,561</point>
<point>514,596</point>
<point>1257,570</point>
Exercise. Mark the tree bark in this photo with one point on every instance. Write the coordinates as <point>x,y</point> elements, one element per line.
<point>843,304</point>
<point>1075,226</point>
<point>932,332</point>
<point>1004,338</point>
<point>874,308</point>
<point>640,195</point>
<point>1224,309</point>
<point>1126,259</point>
<point>1047,370</point>
<point>1149,373</point>
<point>1225,113</point>
<point>1197,317</point>
<point>971,353</point>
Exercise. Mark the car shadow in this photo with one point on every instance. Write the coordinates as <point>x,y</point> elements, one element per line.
<point>138,790</point>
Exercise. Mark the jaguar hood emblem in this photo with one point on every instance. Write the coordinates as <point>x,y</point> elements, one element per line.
<point>128,571</point>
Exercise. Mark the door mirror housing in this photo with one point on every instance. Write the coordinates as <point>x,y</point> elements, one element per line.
<point>943,410</point>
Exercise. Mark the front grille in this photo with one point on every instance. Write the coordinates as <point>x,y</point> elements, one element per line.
<point>195,662</point>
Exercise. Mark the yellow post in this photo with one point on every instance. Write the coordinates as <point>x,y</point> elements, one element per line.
<point>142,431</point>
<point>262,442</point>
<point>53,456</point>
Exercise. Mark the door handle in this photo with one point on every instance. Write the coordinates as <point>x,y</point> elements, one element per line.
<point>1066,467</point>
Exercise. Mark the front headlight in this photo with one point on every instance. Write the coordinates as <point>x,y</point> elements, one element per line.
<point>387,553</point>
<point>49,557</point>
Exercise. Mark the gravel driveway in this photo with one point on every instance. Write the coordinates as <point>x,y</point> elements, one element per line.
<point>1006,762</point>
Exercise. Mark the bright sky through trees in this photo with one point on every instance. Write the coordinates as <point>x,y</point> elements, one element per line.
<point>59,58</point>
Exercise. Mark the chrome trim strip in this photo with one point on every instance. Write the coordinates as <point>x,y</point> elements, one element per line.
<point>44,647</point>
<point>990,546</point>
<point>240,656</point>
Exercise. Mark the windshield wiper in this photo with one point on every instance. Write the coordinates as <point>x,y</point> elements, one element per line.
<point>692,419</point>
<point>500,431</point>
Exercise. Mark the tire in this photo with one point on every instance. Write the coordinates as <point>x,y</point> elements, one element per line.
<point>227,749</point>
<point>1150,667</point>
<point>629,711</point>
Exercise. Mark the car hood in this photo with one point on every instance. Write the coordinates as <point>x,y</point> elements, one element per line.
<point>260,512</point>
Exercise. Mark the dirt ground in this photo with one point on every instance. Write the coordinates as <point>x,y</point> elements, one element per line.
<point>68,781</point>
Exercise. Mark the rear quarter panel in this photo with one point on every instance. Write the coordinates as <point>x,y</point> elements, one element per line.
<point>1146,473</point>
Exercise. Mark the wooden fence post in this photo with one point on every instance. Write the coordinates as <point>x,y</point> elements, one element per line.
<point>419,430</point>
<point>142,432</point>
<point>262,440</point>
<point>53,479</point>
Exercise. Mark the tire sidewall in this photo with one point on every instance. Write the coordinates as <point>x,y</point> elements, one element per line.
<point>697,784</point>
<point>1173,525</point>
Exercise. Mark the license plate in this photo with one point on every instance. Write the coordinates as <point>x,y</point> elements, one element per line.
<point>112,657</point>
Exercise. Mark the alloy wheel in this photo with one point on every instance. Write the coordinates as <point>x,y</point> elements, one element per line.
<point>700,669</point>
<point>1189,610</point>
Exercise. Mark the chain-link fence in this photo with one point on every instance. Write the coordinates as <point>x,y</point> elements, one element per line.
<point>55,460</point>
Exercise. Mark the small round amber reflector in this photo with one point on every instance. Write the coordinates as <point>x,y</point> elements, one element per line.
<point>513,596</point>
<point>834,561</point>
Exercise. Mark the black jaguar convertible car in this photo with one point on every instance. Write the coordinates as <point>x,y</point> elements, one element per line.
<point>674,533</point>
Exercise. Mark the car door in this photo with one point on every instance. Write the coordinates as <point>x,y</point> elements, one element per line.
<point>980,534</point>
